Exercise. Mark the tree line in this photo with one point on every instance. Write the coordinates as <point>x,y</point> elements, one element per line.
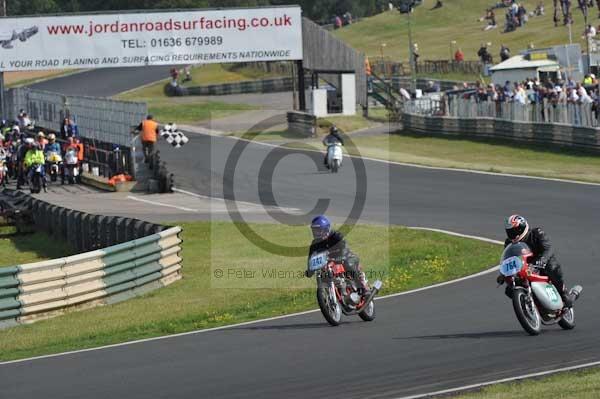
<point>318,10</point>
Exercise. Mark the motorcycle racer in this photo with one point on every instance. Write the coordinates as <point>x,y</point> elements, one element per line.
<point>518,230</point>
<point>327,239</point>
<point>332,138</point>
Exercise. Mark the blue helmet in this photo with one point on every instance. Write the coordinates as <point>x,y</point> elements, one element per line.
<point>321,227</point>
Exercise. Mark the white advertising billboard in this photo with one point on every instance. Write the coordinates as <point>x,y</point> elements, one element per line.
<point>152,38</point>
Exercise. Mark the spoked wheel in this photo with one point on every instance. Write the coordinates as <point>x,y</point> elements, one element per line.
<point>568,319</point>
<point>527,312</point>
<point>369,313</point>
<point>330,307</point>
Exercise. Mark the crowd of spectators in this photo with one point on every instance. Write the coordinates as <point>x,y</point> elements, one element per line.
<point>534,91</point>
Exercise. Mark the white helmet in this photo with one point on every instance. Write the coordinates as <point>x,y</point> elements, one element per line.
<point>29,140</point>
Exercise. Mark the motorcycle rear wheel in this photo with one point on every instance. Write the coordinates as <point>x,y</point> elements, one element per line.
<point>568,320</point>
<point>336,166</point>
<point>527,312</point>
<point>331,311</point>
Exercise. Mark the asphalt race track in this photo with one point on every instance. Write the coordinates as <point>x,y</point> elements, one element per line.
<point>104,82</point>
<point>459,334</point>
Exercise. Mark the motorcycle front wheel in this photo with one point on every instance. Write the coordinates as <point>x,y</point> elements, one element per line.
<point>568,320</point>
<point>330,307</point>
<point>369,313</point>
<point>527,312</point>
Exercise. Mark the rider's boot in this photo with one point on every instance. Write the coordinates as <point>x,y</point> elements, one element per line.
<point>364,288</point>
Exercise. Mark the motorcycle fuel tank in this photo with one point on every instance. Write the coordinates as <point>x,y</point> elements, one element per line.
<point>547,295</point>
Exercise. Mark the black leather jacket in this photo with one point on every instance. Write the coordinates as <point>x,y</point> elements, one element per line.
<point>335,244</point>
<point>540,244</point>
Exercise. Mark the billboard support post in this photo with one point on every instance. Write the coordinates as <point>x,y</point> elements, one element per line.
<point>301,86</point>
<point>2,97</point>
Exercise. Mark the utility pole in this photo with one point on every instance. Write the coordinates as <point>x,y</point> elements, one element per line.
<point>587,38</point>
<point>411,52</point>
<point>2,93</point>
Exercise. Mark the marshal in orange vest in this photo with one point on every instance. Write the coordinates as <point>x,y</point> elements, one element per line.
<point>149,128</point>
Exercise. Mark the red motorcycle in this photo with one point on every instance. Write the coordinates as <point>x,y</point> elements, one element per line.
<point>337,293</point>
<point>535,299</point>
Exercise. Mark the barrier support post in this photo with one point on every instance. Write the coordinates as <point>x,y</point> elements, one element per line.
<point>2,97</point>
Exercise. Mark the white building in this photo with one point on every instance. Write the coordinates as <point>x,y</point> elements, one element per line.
<point>517,69</point>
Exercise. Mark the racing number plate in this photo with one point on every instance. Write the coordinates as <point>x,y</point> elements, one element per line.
<point>317,261</point>
<point>511,266</point>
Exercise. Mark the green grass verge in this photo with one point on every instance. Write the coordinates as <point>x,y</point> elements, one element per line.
<point>29,248</point>
<point>580,385</point>
<point>462,152</point>
<point>224,73</point>
<point>484,155</point>
<point>190,109</point>
<point>455,21</point>
<point>404,258</point>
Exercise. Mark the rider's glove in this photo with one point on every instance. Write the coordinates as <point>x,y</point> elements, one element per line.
<point>308,273</point>
<point>500,279</point>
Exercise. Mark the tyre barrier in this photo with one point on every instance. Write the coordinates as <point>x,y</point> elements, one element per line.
<point>119,272</point>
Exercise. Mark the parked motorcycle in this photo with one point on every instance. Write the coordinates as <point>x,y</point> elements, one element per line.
<point>337,293</point>
<point>36,178</point>
<point>53,165</point>
<point>70,167</point>
<point>535,299</point>
<point>3,171</point>
<point>334,157</point>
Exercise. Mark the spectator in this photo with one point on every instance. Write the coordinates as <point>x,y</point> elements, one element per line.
<point>416,54</point>
<point>521,14</point>
<point>337,23</point>
<point>539,9</point>
<point>24,121</point>
<point>438,4</point>
<point>504,53</point>
<point>347,18</point>
<point>149,135</point>
<point>188,73</point>
<point>490,16</point>
<point>484,54</point>
<point>459,56</point>
<point>41,140</point>
<point>589,32</point>
<point>520,96</point>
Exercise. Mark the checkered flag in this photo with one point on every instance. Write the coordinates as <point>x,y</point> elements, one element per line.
<point>173,136</point>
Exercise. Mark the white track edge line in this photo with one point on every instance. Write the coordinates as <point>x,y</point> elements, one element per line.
<point>182,208</point>
<point>413,165</point>
<point>232,326</point>
<point>501,381</point>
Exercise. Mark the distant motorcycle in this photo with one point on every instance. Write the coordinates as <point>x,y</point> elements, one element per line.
<point>54,164</point>
<point>337,293</point>
<point>535,299</point>
<point>334,156</point>
<point>70,167</point>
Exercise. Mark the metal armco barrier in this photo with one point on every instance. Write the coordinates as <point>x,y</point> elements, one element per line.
<point>147,258</point>
<point>302,124</point>
<point>272,85</point>
<point>545,133</point>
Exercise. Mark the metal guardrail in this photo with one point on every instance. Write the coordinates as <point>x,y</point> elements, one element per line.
<point>572,114</point>
<point>100,119</point>
<point>138,265</point>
